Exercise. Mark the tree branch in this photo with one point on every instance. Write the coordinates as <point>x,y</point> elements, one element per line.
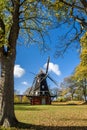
<point>15,26</point>
<point>84,3</point>
<point>71,5</point>
<point>12,2</point>
<point>81,21</point>
<point>2,33</point>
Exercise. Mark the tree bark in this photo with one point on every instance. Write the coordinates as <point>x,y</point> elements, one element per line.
<point>7,83</point>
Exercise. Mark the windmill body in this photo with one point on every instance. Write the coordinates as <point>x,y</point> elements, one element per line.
<point>39,92</point>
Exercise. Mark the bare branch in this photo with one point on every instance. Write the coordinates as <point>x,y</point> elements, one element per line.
<point>81,21</point>
<point>25,19</point>
<point>84,3</point>
<point>22,2</point>
<point>63,47</point>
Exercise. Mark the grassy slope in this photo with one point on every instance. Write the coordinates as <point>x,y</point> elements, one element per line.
<point>53,115</point>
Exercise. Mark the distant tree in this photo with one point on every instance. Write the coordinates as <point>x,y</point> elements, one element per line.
<point>16,92</point>
<point>25,99</point>
<point>62,92</point>
<point>55,93</point>
<point>79,93</point>
<point>16,99</point>
<point>69,86</point>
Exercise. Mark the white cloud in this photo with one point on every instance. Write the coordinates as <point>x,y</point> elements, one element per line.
<point>18,71</point>
<point>24,83</point>
<point>53,68</point>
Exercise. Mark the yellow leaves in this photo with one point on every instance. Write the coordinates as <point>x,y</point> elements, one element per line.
<point>84,40</point>
<point>83,55</point>
<point>2,37</point>
<point>25,99</point>
<point>45,2</point>
<point>81,70</point>
<point>2,4</point>
<point>58,5</point>
<point>55,5</point>
<point>16,99</point>
<point>5,14</point>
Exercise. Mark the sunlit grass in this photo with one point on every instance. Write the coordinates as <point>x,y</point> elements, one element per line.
<point>52,115</point>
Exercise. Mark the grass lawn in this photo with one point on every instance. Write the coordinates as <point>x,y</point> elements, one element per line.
<point>47,117</point>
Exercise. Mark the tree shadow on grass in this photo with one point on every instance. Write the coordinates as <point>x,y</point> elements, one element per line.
<point>25,126</point>
<point>29,109</point>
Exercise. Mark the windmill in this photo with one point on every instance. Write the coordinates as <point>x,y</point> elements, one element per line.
<point>39,93</point>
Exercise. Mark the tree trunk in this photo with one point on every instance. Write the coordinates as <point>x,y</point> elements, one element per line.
<point>7,57</point>
<point>7,78</point>
<point>72,96</point>
<point>84,83</point>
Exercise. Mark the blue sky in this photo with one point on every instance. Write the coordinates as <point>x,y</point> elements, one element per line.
<point>31,59</point>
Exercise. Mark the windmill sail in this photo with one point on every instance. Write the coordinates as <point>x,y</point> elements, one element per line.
<point>53,80</point>
<point>47,65</point>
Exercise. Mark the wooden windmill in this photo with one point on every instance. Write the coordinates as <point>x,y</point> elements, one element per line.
<point>39,93</point>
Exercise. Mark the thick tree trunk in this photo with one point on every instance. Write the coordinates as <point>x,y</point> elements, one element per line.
<point>7,57</point>
<point>7,78</point>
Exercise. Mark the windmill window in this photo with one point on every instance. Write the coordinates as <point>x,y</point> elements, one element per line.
<point>36,93</point>
<point>42,86</point>
<point>31,92</point>
<point>38,80</point>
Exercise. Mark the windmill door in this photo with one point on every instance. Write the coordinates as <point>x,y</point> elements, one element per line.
<point>43,101</point>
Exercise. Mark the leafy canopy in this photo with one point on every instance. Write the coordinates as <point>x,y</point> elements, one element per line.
<point>81,69</point>
<point>34,20</point>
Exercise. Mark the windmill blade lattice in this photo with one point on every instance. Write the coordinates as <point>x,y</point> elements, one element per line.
<point>53,80</point>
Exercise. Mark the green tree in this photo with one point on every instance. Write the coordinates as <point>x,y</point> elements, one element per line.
<point>16,99</point>
<point>25,99</point>
<point>70,86</point>
<point>23,19</point>
<point>81,69</point>
<point>79,93</point>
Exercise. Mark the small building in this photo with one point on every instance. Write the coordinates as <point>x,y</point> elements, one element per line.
<point>40,100</point>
